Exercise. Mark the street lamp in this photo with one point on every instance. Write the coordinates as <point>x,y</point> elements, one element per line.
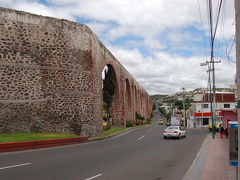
<point>210,95</point>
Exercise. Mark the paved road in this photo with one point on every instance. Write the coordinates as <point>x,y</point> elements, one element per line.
<point>140,154</point>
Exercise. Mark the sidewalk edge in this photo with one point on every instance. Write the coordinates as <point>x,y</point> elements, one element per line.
<point>194,161</point>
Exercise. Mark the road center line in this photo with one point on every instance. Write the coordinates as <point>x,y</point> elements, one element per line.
<point>141,137</point>
<point>94,177</point>
<point>17,165</point>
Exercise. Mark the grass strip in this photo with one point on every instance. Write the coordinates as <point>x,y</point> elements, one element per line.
<point>31,137</point>
<point>111,131</point>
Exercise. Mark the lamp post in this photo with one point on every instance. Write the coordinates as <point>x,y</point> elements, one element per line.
<point>210,97</point>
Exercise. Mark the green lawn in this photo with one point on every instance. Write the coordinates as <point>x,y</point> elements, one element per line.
<point>40,136</point>
<point>111,131</point>
<point>31,137</point>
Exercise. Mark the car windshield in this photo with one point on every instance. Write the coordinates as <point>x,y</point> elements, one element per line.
<point>173,127</point>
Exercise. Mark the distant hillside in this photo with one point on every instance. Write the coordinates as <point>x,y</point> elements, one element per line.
<point>189,95</point>
<point>157,97</point>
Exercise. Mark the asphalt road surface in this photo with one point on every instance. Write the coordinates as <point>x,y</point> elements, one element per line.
<point>139,154</point>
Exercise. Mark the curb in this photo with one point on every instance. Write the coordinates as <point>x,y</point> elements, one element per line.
<point>117,133</point>
<point>186,176</point>
<point>26,145</point>
<point>111,135</point>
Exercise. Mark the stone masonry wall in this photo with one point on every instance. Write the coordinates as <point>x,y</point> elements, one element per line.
<point>50,75</point>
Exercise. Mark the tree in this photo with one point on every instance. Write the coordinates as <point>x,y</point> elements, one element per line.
<point>154,106</point>
<point>179,104</point>
<point>168,116</point>
<point>162,110</point>
<point>108,91</point>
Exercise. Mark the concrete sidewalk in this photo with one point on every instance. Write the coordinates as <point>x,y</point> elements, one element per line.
<point>212,161</point>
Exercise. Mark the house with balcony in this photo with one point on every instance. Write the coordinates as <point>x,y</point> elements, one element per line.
<point>201,108</point>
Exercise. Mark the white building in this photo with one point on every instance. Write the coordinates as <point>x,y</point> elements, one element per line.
<point>201,108</point>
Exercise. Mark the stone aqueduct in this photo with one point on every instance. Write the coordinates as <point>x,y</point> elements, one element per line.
<point>51,77</point>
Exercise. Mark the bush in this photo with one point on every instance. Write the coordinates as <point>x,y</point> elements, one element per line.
<point>105,117</point>
<point>107,127</point>
<point>148,121</point>
<point>139,116</point>
<point>129,123</point>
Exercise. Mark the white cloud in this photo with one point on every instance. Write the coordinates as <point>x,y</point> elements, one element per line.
<point>167,73</point>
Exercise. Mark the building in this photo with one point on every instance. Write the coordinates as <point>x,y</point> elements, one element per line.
<point>228,116</point>
<point>201,108</point>
<point>237,19</point>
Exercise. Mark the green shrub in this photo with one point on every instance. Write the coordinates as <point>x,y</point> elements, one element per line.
<point>107,127</point>
<point>148,121</point>
<point>105,117</point>
<point>129,123</point>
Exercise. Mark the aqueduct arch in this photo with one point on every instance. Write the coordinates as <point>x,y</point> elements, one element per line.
<point>128,102</point>
<point>51,77</point>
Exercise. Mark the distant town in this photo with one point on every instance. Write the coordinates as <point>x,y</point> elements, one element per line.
<point>194,107</point>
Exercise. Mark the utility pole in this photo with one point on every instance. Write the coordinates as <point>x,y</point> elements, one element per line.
<point>212,38</point>
<point>213,98</point>
<point>212,93</point>
<point>211,101</point>
<point>184,107</point>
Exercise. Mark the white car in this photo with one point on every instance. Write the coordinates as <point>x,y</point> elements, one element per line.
<point>174,131</point>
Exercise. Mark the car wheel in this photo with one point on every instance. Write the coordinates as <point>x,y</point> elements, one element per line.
<point>164,137</point>
<point>179,137</point>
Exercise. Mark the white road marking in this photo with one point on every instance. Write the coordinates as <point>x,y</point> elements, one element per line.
<point>94,177</point>
<point>17,165</point>
<point>141,137</point>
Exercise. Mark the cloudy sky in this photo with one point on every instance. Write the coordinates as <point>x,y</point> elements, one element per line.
<point>160,42</point>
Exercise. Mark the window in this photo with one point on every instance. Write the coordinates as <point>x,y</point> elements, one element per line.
<point>204,105</point>
<point>205,121</point>
<point>173,127</point>
<point>226,105</point>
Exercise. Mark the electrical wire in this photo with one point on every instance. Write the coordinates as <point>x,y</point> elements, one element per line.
<point>219,51</point>
<point>228,51</point>
<point>208,19</point>
<point>200,15</point>
<point>218,14</point>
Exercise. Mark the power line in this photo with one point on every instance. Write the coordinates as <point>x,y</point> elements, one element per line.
<point>222,29</point>
<point>200,15</point>
<point>208,19</point>
<point>219,10</point>
<point>228,51</point>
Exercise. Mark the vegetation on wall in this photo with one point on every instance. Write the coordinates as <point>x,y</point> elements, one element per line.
<point>108,92</point>
<point>139,118</point>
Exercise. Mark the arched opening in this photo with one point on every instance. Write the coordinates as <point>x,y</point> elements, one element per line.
<point>110,95</point>
<point>141,103</point>
<point>135,103</point>
<point>128,102</point>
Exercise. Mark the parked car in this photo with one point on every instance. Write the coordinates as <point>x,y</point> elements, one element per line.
<point>174,132</point>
